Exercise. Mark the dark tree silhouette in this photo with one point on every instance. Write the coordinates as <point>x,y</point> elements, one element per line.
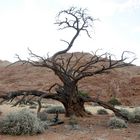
<point>70,70</point>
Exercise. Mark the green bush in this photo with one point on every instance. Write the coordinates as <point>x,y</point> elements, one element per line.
<point>114,102</point>
<point>116,123</point>
<point>21,123</point>
<point>102,112</point>
<point>82,93</point>
<point>55,109</point>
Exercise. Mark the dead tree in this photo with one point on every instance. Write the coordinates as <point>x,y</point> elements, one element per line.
<point>72,69</point>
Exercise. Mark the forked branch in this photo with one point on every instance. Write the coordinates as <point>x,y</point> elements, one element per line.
<point>76,19</point>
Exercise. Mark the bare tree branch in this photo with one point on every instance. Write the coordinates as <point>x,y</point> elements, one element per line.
<point>78,20</point>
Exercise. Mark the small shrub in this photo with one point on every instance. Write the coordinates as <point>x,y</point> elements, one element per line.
<point>43,116</point>
<point>136,116</point>
<point>133,117</point>
<point>55,109</point>
<point>102,112</point>
<point>124,112</point>
<point>114,102</point>
<point>81,93</point>
<point>117,123</point>
<point>73,122</point>
<point>127,113</point>
<point>21,123</point>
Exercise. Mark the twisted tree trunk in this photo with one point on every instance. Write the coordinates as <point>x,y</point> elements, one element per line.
<point>73,103</point>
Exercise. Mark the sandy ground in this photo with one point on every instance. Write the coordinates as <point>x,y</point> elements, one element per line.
<point>91,128</point>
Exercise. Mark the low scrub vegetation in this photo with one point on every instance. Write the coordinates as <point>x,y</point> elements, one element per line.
<point>133,117</point>
<point>127,113</point>
<point>55,109</point>
<point>82,93</point>
<point>114,101</point>
<point>73,122</point>
<point>102,112</point>
<point>136,116</point>
<point>43,116</point>
<point>116,123</point>
<point>21,123</point>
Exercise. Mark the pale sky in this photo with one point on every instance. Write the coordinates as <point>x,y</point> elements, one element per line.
<point>30,24</point>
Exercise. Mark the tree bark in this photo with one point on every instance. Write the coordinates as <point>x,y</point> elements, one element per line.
<point>73,103</point>
<point>75,107</point>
